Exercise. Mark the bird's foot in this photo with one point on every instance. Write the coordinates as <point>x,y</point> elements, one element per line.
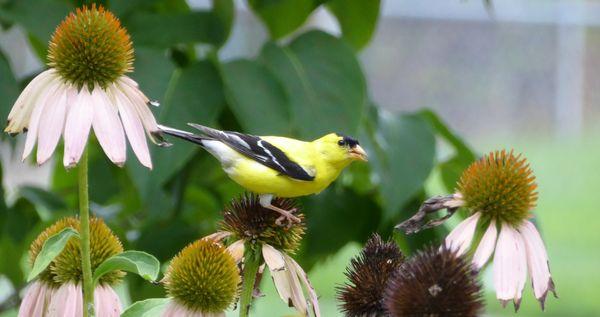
<point>287,219</point>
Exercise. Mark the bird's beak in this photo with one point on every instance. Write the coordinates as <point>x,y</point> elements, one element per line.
<point>358,153</point>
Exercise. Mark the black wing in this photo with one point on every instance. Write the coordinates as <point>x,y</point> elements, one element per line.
<point>259,150</point>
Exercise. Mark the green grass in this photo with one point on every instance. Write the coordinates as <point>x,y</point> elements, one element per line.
<point>568,215</point>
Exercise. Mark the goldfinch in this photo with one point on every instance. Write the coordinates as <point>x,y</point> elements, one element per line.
<point>276,166</point>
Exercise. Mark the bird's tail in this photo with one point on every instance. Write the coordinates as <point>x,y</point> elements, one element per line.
<point>182,134</point>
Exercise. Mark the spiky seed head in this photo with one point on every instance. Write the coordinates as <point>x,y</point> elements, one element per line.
<point>66,267</point>
<point>90,47</point>
<point>367,276</point>
<point>246,219</point>
<point>501,186</point>
<point>435,282</point>
<point>203,277</point>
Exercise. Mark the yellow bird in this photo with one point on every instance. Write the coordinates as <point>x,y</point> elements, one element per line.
<point>274,166</point>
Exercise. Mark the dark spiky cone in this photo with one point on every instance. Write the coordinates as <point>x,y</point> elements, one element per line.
<point>90,47</point>
<point>367,276</point>
<point>246,219</point>
<point>501,186</point>
<point>203,277</point>
<point>435,282</point>
<point>66,267</point>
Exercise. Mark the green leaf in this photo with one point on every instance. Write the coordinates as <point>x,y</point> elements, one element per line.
<point>38,17</point>
<point>152,307</point>
<point>330,215</point>
<point>281,17</point>
<point>195,94</point>
<point>9,89</point>
<point>169,28</point>
<point>452,168</point>
<point>48,201</point>
<point>357,18</point>
<point>51,248</point>
<point>138,262</point>
<point>256,97</point>
<point>403,155</point>
<point>323,80</point>
<point>223,14</point>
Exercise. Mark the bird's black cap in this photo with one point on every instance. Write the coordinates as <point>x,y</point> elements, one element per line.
<point>346,140</point>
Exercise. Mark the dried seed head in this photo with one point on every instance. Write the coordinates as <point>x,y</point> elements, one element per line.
<point>434,282</point>
<point>90,47</point>
<point>66,267</point>
<point>203,277</point>
<point>246,219</point>
<point>367,276</point>
<point>501,186</point>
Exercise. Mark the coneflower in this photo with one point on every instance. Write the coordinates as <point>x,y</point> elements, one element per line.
<point>435,282</point>
<point>57,291</point>
<point>85,88</point>
<point>368,275</point>
<point>202,281</point>
<point>256,238</point>
<point>499,191</point>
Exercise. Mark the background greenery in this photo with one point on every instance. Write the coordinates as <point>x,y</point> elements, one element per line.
<point>302,83</point>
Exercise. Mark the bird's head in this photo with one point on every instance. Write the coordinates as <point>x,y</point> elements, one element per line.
<point>339,149</point>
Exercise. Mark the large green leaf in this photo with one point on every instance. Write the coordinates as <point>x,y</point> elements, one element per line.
<point>51,249</point>
<point>357,18</point>
<point>9,88</point>
<point>330,215</point>
<point>195,94</point>
<point>452,168</point>
<point>138,262</point>
<point>38,17</point>
<point>169,28</point>
<point>282,16</point>
<point>323,80</point>
<point>256,97</point>
<point>152,307</point>
<point>44,200</point>
<point>402,157</point>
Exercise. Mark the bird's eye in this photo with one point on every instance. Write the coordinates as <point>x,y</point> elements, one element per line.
<point>341,142</point>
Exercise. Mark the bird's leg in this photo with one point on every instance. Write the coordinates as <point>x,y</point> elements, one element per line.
<point>286,215</point>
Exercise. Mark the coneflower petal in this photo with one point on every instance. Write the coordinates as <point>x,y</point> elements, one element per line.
<point>510,266</point>
<point>537,261</point>
<point>65,300</point>
<point>52,124</point>
<point>139,100</point>
<point>34,121</point>
<point>108,128</point>
<point>77,127</point>
<point>279,273</point>
<point>28,304</point>
<point>236,250</point>
<point>19,116</point>
<point>298,298</point>
<point>460,238</point>
<point>486,246</point>
<point>133,127</point>
<point>107,302</point>
<point>314,300</point>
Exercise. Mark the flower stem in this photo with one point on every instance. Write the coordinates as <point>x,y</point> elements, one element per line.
<point>84,232</point>
<point>251,263</point>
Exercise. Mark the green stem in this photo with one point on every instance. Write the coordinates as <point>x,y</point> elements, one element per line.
<point>251,263</point>
<point>84,232</point>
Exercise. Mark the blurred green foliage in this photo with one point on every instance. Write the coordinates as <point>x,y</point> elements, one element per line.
<point>303,83</point>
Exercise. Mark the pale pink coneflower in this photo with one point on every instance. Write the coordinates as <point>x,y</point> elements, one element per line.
<point>499,190</point>
<point>57,291</point>
<point>247,223</point>
<point>86,88</point>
